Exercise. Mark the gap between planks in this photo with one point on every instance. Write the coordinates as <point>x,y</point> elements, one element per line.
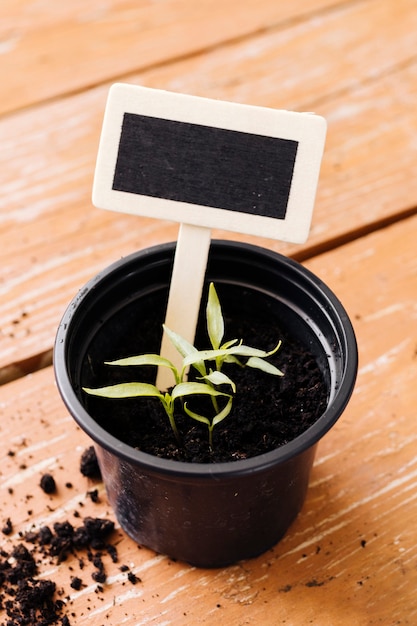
<point>353,235</point>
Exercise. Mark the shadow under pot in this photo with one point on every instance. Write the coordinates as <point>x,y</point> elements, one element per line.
<point>219,506</point>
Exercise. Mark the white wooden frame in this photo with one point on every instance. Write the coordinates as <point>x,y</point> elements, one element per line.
<point>307,129</point>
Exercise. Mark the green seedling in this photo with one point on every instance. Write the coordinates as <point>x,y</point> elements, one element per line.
<point>208,365</point>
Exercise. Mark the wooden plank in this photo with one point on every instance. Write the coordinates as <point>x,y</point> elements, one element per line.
<point>350,556</point>
<point>39,59</point>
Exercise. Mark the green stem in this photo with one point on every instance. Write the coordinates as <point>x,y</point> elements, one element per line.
<point>169,410</point>
<point>210,429</point>
<point>174,428</point>
<point>215,404</point>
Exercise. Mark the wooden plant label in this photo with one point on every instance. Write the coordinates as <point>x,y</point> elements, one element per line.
<point>210,163</point>
<point>206,164</point>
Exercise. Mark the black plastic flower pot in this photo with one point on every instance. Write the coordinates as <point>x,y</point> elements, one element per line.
<point>207,514</point>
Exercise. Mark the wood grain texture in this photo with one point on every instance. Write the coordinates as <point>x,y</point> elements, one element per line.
<point>350,557</point>
<point>118,37</point>
<point>302,63</point>
<point>53,240</point>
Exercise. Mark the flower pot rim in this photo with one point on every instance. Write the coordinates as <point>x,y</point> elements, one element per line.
<point>174,468</point>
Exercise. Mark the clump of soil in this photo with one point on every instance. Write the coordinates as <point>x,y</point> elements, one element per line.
<point>30,600</point>
<point>267,411</point>
<point>48,483</point>
<point>34,600</point>
<point>89,466</point>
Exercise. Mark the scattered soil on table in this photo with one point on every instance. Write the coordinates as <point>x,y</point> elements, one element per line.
<point>30,600</point>
<point>33,601</point>
<point>268,411</point>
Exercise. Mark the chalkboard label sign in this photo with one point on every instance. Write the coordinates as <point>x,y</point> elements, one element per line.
<point>205,165</point>
<point>209,163</point>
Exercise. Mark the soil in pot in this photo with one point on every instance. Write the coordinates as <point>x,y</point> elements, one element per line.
<point>267,411</point>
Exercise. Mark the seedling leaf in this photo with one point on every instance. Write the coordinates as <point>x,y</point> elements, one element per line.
<point>215,322</point>
<point>193,389</point>
<point>219,378</point>
<point>260,364</point>
<point>126,390</point>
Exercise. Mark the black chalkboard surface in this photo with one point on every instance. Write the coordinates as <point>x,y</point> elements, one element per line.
<point>205,165</point>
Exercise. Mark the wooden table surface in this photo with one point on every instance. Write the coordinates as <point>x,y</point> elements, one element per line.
<point>351,555</point>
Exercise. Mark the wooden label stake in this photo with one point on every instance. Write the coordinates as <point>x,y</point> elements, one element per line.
<point>206,164</point>
<point>184,299</point>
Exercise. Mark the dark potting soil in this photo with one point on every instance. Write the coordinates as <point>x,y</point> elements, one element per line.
<point>89,466</point>
<point>32,600</point>
<point>268,411</point>
<point>29,599</point>
<point>48,483</point>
